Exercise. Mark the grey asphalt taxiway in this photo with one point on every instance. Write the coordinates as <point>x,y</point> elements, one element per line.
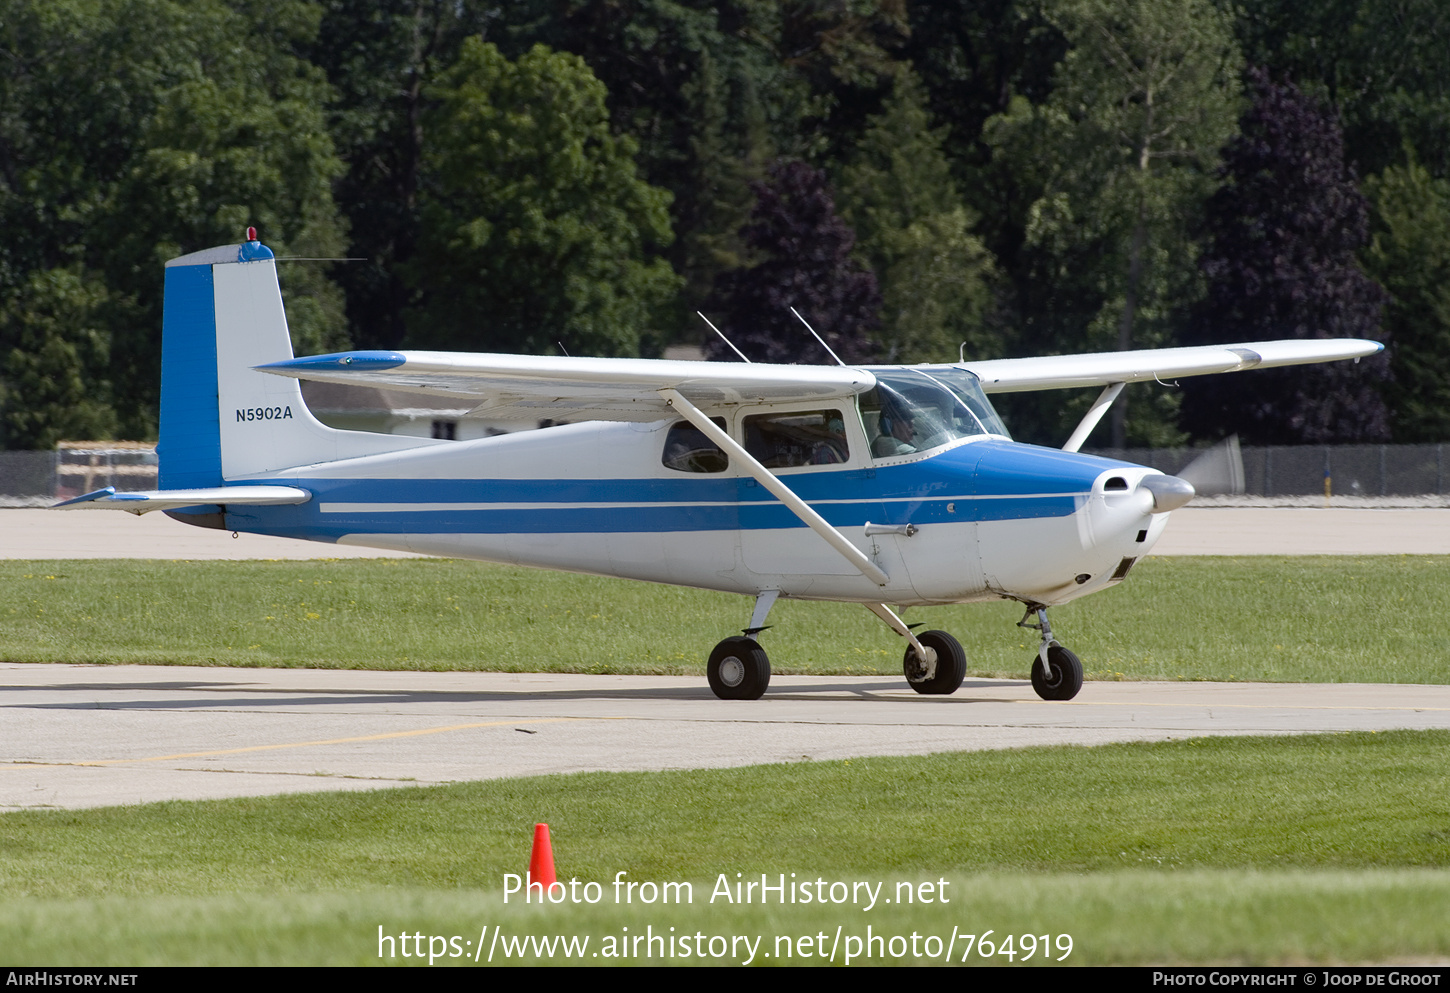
<point>82,736</point>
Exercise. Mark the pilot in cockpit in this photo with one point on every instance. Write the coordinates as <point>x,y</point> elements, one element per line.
<point>897,426</point>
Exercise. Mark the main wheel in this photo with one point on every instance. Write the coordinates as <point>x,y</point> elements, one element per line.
<point>738,670</point>
<point>1063,677</point>
<point>951,664</point>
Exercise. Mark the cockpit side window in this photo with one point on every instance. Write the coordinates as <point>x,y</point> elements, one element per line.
<point>688,450</point>
<point>890,422</point>
<point>797,438</point>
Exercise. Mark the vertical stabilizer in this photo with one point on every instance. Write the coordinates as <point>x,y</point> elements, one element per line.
<point>220,419</point>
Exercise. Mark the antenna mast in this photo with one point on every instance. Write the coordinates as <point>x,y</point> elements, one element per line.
<point>723,338</point>
<point>818,337</point>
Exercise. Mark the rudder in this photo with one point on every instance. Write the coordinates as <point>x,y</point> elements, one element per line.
<point>221,419</point>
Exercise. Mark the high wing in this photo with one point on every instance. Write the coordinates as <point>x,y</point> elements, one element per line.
<point>560,386</point>
<point>1054,372</point>
<point>532,386</point>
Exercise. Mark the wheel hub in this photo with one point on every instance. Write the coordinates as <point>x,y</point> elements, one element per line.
<point>732,671</point>
<point>922,669</point>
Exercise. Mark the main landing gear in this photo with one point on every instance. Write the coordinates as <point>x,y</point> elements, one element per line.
<point>934,663</point>
<point>947,667</point>
<point>738,669</point>
<point>1056,672</point>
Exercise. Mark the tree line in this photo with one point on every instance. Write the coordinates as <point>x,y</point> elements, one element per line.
<point>991,178</point>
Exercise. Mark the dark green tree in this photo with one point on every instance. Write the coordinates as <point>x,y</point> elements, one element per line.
<point>381,57</point>
<point>702,91</point>
<point>136,130</point>
<point>913,228</point>
<point>1409,254</point>
<point>1383,64</point>
<point>803,253</point>
<point>714,92</point>
<point>1284,232</point>
<point>537,229</point>
<point>1121,157</point>
<point>975,56</point>
<point>58,365</point>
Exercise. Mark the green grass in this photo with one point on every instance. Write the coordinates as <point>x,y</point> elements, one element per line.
<point>1318,848</point>
<point>1129,918</point>
<point>1325,849</point>
<point>1317,619</point>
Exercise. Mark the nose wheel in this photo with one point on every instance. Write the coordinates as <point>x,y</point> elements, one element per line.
<point>1060,678</point>
<point>1056,672</point>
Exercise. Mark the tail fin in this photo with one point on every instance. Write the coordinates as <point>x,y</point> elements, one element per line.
<point>221,420</point>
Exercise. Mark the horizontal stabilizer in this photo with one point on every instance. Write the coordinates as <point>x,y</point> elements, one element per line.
<point>147,500</point>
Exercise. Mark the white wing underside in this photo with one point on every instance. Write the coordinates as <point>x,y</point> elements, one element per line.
<point>537,386</point>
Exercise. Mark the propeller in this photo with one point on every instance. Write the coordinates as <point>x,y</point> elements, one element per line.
<point>1218,470</point>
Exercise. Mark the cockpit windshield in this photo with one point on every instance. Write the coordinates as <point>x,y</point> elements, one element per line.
<point>913,410</point>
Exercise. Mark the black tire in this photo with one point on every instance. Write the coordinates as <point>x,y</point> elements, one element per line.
<point>738,670</point>
<point>951,665</point>
<point>1063,678</point>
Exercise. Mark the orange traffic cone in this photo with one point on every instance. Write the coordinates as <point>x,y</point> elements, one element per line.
<point>541,863</point>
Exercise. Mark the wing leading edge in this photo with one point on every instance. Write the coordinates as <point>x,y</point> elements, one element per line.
<point>1054,372</point>
<point>565,386</point>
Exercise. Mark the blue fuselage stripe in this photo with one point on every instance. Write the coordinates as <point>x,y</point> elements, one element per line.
<point>992,481</point>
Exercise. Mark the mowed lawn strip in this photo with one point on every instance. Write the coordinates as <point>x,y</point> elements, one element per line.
<point>1312,619</point>
<point>1324,848</point>
<point>1134,917</point>
<point>1352,800</point>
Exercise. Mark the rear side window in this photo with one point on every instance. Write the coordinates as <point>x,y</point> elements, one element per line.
<point>803,437</point>
<point>688,450</point>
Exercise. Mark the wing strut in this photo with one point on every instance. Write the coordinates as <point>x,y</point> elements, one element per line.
<point>783,493</point>
<point>1090,419</point>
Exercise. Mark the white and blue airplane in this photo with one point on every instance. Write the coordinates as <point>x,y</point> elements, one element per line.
<point>889,486</point>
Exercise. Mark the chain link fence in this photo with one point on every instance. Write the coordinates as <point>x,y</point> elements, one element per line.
<point>38,479</point>
<point>1302,470</point>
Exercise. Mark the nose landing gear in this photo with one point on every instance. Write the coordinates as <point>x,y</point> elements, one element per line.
<point>1056,672</point>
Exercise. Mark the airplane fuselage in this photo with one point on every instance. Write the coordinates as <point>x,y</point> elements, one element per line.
<point>989,518</point>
